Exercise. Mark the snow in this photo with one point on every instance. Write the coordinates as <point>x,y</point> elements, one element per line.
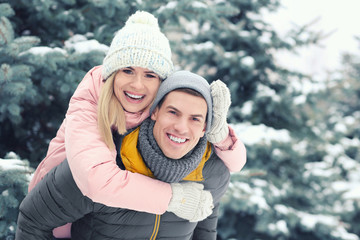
<point>265,91</point>
<point>198,4</point>
<point>282,209</point>
<point>248,61</point>
<point>5,193</point>
<point>243,186</point>
<point>301,147</point>
<point>353,192</point>
<point>348,163</point>
<point>244,34</point>
<point>247,108</point>
<point>258,134</point>
<point>280,226</point>
<point>334,149</point>
<point>340,127</point>
<point>260,182</point>
<point>259,201</point>
<point>80,44</point>
<point>354,142</point>
<point>343,234</point>
<point>307,86</point>
<point>349,187</point>
<point>42,50</point>
<point>301,99</point>
<point>204,46</point>
<point>310,220</point>
<point>265,38</point>
<point>170,5</point>
<point>12,164</point>
<point>320,169</point>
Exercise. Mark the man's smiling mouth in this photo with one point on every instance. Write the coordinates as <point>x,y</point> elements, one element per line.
<point>176,139</point>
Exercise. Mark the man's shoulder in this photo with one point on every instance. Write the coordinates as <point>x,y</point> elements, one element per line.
<point>215,165</point>
<point>216,177</point>
<point>215,169</point>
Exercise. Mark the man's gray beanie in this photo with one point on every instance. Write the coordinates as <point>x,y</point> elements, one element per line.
<point>186,79</point>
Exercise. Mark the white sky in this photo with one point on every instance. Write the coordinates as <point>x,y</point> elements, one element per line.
<point>342,17</point>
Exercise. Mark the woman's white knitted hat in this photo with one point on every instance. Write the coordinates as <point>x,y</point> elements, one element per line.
<point>140,43</point>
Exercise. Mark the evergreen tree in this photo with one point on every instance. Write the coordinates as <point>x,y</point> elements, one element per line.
<point>16,87</point>
<point>39,81</point>
<point>306,188</point>
<point>14,179</point>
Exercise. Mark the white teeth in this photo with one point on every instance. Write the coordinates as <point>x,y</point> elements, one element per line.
<point>176,139</point>
<point>134,96</point>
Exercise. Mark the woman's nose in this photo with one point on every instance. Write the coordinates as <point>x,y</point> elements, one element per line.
<point>137,82</point>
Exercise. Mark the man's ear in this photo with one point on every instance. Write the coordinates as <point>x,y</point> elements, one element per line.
<point>203,131</point>
<point>154,114</point>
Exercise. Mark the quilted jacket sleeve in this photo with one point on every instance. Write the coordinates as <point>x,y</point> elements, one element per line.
<point>54,201</point>
<point>217,178</point>
<point>93,164</point>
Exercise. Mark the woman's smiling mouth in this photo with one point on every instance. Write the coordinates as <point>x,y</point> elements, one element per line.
<point>133,96</point>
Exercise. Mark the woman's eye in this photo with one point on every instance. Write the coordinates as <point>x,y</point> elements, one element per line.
<point>127,71</point>
<point>151,76</point>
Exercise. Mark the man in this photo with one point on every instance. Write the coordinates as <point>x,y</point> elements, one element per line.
<point>172,147</point>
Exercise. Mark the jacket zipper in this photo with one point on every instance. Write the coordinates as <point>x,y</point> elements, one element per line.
<point>156,227</point>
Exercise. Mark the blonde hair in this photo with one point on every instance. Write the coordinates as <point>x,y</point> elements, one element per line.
<point>110,113</point>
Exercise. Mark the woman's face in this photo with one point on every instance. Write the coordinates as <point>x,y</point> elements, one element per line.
<point>136,88</point>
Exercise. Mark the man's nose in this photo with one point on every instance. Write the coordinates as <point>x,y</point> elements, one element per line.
<point>181,126</point>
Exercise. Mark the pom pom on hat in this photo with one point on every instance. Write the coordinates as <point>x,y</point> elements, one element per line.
<point>140,43</point>
<point>142,17</point>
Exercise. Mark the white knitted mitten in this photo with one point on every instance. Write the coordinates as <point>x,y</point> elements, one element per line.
<point>221,104</point>
<point>190,201</point>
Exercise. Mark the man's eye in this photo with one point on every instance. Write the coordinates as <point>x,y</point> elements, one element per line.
<point>172,112</point>
<point>196,119</point>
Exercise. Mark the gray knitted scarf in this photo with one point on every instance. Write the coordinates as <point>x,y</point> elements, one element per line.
<point>167,169</point>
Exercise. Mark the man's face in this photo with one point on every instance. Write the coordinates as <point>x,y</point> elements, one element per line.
<point>179,123</point>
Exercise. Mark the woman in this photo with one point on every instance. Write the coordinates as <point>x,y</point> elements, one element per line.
<point>117,96</point>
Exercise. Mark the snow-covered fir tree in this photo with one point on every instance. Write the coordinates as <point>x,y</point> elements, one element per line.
<point>14,177</point>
